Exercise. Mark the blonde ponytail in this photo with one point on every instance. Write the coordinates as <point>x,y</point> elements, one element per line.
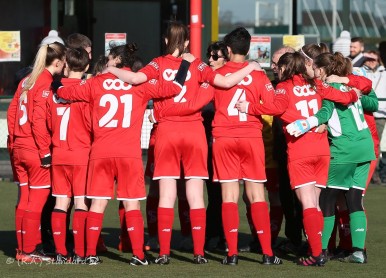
<point>45,56</point>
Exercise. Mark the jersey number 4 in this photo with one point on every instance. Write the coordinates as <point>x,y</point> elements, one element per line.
<point>232,110</point>
<point>108,120</point>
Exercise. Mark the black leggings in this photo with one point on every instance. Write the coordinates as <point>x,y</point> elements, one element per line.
<point>329,196</point>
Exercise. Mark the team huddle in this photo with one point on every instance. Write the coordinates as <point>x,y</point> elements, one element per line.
<point>77,140</point>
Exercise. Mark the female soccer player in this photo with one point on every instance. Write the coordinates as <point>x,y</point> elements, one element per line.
<point>298,95</point>
<point>180,140</point>
<point>31,140</point>
<point>70,125</point>
<point>117,115</point>
<point>352,150</point>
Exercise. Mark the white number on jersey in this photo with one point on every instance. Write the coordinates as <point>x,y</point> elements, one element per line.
<point>180,97</point>
<point>232,110</point>
<point>23,108</point>
<point>108,119</point>
<point>357,111</point>
<point>65,113</point>
<point>303,106</point>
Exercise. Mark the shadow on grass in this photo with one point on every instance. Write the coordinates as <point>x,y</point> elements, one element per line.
<point>111,239</point>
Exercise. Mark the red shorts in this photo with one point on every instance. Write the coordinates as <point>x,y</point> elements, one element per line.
<point>69,180</point>
<point>272,184</point>
<point>125,171</point>
<point>238,158</point>
<point>309,170</point>
<point>29,172</point>
<point>180,144</point>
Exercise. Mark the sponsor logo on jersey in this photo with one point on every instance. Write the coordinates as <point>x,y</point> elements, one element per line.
<point>280,91</point>
<point>205,85</point>
<point>130,229</point>
<point>170,74</point>
<point>154,64</point>
<point>166,230</point>
<point>360,230</point>
<point>56,233</point>
<point>94,228</point>
<point>115,84</point>
<point>303,91</point>
<point>196,228</point>
<point>269,86</point>
<point>153,81</point>
<point>233,231</point>
<point>202,66</point>
<point>260,232</point>
<point>45,94</point>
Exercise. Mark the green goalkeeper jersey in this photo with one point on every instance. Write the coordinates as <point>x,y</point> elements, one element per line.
<point>348,133</point>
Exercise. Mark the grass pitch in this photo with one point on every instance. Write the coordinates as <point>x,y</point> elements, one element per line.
<point>115,263</point>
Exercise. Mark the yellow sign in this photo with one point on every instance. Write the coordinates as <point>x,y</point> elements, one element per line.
<point>10,46</point>
<point>294,41</point>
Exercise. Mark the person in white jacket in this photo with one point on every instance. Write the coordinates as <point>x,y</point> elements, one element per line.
<point>376,72</point>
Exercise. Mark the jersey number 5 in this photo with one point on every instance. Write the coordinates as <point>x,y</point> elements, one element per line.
<point>23,108</point>
<point>108,119</point>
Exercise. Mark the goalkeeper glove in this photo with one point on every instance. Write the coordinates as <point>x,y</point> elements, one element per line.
<point>299,127</point>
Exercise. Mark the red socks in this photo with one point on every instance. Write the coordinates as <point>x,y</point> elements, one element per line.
<point>93,229</point>
<point>165,226</point>
<point>79,231</point>
<point>58,223</point>
<point>260,217</point>
<point>135,229</point>
<point>31,228</point>
<point>18,226</point>
<point>198,219</point>
<point>313,229</point>
<point>230,220</point>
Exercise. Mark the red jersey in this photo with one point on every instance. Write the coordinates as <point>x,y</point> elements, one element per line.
<point>117,110</point>
<point>164,69</point>
<point>228,121</point>
<point>70,125</point>
<point>13,110</point>
<point>369,117</point>
<point>204,95</point>
<point>295,99</point>
<point>31,130</point>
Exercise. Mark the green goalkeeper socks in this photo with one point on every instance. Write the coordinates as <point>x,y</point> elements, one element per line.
<point>358,228</point>
<point>329,223</point>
